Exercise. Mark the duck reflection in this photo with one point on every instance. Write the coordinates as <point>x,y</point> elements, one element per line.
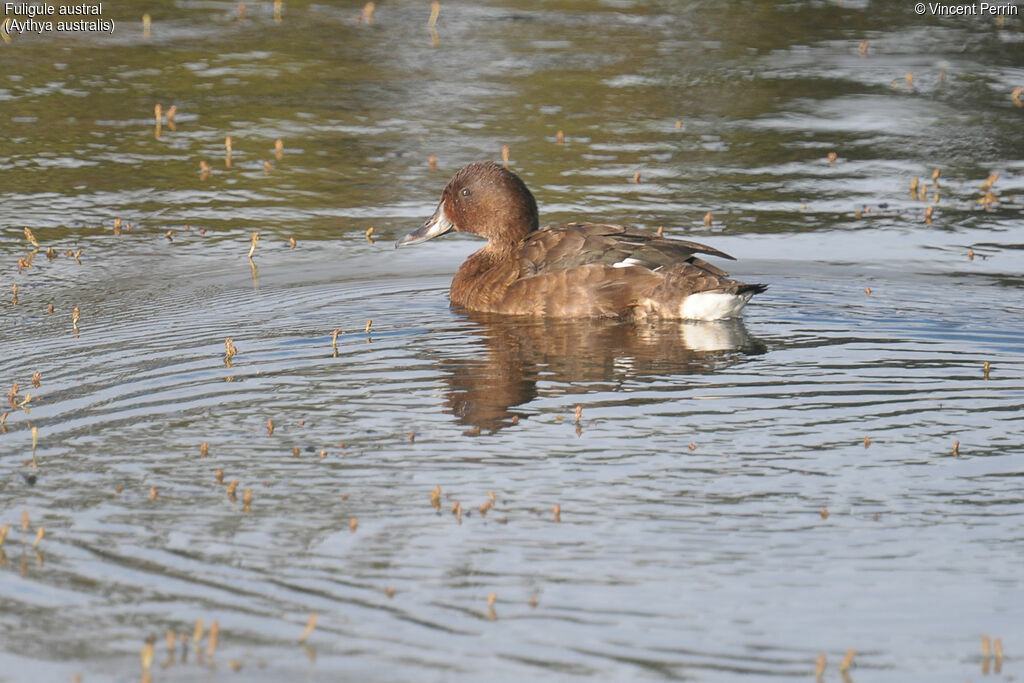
<point>579,356</point>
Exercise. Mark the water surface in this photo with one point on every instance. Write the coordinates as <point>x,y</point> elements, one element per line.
<point>736,498</point>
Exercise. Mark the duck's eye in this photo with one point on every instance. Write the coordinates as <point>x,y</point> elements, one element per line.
<point>465,192</point>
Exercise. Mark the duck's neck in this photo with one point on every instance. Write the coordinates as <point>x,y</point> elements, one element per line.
<point>506,245</point>
<point>504,241</point>
<point>493,254</point>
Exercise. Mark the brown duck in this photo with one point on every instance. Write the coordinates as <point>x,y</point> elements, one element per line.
<point>575,270</point>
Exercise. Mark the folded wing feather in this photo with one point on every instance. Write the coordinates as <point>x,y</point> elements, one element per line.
<point>564,247</point>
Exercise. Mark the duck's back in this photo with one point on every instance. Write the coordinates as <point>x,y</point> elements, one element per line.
<point>600,270</point>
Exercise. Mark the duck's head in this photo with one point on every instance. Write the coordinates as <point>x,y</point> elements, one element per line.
<point>484,199</point>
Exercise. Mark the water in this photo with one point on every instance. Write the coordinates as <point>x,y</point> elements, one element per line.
<point>692,542</point>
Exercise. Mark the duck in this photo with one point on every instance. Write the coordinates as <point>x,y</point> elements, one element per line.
<point>574,270</point>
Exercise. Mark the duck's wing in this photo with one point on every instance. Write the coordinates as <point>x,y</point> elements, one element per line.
<point>564,247</point>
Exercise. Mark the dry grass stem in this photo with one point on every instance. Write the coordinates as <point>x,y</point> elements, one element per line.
<point>211,644</point>
<point>147,655</point>
<point>310,625</point>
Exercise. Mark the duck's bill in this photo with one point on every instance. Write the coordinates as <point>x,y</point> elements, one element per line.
<point>436,225</point>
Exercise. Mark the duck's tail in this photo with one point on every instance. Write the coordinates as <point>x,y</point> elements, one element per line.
<point>750,290</point>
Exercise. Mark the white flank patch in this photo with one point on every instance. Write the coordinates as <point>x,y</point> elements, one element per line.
<point>713,305</point>
<point>627,262</point>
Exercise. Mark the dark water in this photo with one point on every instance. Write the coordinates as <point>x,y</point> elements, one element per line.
<point>691,542</point>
